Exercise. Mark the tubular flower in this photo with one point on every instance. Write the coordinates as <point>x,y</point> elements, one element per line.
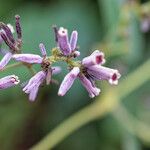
<point>96,58</point>
<point>33,85</point>
<point>67,47</point>
<point>47,71</point>
<point>28,58</point>
<point>8,81</point>
<point>88,70</point>
<point>90,87</point>
<point>104,73</point>
<point>7,36</point>
<point>10,28</point>
<point>92,70</point>
<point>68,81</point>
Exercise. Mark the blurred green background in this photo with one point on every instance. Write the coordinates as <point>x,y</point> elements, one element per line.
<point>117,27</point>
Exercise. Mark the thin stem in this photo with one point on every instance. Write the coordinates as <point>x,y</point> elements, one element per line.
<point>84,116</point>
<point>138,77</point>
<point>98,109</point>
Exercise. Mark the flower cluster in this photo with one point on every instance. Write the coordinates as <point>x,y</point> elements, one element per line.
<point>88,70</point>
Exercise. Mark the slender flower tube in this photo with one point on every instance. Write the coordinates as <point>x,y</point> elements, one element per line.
<point>95,58</point>
<point>42,49</point>
<point>61,36</point>
<point>18,27</point>
<point>5,60</point>
<point>33,85</point>
<point>8,30</point>
<point>68,81</point>
<point>104,73</point>
<point>33,93</point>
<point>73,40</point>
<point>6,35</point>
<point>63,41</point>
<point>92,89</point>
<point>28,58</point>
<point>46,74</point>
<point>8,81</point>
<point>7,40</point>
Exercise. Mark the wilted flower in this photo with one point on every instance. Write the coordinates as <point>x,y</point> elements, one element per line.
<point>10,28</point>
<point>8,81</point>
<point>7,36</point>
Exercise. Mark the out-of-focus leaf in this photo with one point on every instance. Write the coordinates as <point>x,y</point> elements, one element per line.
<point>135,40</point>
<point>130,142</point>
<point>109,11</point>
<point>7,6</point>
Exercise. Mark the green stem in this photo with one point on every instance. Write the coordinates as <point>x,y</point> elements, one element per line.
<point>84,116</point>
<point>134,80</point>
<point>96,110</point>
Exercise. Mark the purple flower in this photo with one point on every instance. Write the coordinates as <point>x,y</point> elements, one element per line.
<point>34,83</point>
<point>11,29</point>
<point>68,81</point>
<point>28,58</point>
<point>67,47</point>
<point>73,40</point>
<point>90,86</point>
<point>43,49</point>
<point>8,81</point>
<point>6,35</point>
<point>95,58</point>
<point>5,60</point>
<point>32,58</point>
<point>103,73</point>
<point>92,70</point>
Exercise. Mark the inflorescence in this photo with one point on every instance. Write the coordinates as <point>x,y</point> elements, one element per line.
<point>88,70</point>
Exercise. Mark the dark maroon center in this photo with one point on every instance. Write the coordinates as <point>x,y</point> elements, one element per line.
<point>114,77</point>
<point>99,59</point>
